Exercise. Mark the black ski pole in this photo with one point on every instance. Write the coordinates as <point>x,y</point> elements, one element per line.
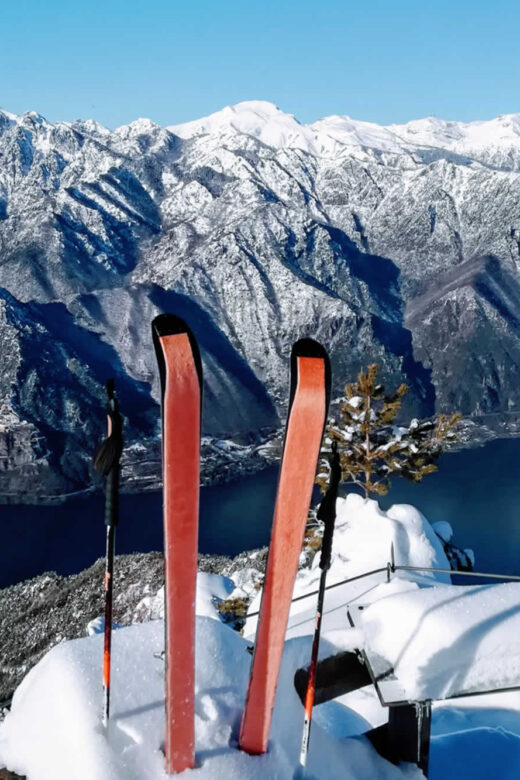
<point>106,461</point>
<point>326,513</point>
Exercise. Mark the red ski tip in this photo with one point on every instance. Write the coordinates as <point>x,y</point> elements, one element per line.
<point>309,348</point>
<point>169,325</point>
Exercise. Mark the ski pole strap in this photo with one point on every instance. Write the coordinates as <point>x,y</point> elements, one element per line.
<point>115,423</point>
<point>327,508</point>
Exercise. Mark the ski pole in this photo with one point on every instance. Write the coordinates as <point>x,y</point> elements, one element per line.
<point>106,461</point>
<point>326,513</point>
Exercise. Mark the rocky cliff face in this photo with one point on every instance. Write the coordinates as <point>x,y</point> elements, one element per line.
<point>399,245</point>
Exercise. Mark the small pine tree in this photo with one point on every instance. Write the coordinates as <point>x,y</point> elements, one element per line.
<point>372,447</point>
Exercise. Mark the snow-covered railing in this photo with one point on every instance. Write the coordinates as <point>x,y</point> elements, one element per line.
<point>462,573</point>
<point>392,567</point>
<point>329,587</point>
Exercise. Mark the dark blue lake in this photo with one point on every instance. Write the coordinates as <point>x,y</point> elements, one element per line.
<point>475,490</point>
<point>69,537</point>
<point>478,492</point>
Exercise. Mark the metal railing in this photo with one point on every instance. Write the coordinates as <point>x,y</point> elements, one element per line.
<point>392,567</point>
<point>460,573</point>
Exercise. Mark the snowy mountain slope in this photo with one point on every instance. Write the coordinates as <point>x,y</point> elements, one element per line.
<point>487,142</point>
<point>263,230</point>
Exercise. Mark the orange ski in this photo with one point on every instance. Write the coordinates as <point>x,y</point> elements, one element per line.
<point>309,399</point>
<point>181,391</point>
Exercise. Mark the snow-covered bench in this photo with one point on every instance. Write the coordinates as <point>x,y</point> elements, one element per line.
<point>423,645</point>
<point>406,737</point>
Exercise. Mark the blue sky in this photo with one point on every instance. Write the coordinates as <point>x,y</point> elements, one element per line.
<point>171,60</point>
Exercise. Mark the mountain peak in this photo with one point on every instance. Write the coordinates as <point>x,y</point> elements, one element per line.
<point>141,126</point>
<point>261,107</point>
<point>259,119</point>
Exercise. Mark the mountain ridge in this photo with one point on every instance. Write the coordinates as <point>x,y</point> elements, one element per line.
<point>265,230</point>
<point>252,116</point>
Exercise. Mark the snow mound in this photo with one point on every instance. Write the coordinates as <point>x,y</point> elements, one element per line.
<point>363,538</point>
<point>449,640</point>
<point>364,535</point>
<point>54,730</point>
<point>211,588</point>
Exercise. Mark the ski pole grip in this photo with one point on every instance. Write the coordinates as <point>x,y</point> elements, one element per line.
<point>327,510</point>
<point>112,496</point>
<point>112,487</point>
<point>115,437</point>
<point>326,545</point>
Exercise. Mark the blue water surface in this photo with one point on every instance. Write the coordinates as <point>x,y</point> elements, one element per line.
<point>69,537</point>
<point>476,490</point>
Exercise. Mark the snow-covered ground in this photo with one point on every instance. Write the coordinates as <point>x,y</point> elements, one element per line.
<point>439,636</point>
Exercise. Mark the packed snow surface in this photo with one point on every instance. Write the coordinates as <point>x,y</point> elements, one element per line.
<point>447,637</point>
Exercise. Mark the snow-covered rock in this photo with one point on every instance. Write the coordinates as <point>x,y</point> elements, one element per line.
<point>211,589</point>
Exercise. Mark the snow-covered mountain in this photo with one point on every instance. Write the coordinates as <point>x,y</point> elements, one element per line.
<point>396,244</point>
